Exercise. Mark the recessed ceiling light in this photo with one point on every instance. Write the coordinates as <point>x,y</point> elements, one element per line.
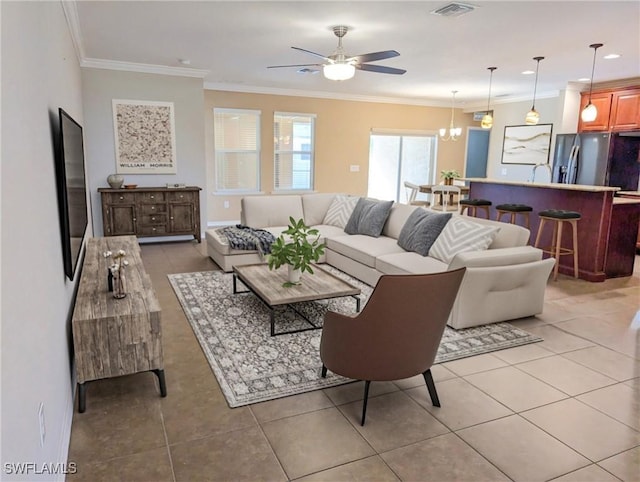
<point>584,79</point>
<point>611,56</point>
<point>528,72</point>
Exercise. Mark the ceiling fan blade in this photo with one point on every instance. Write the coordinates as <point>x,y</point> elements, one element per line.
<point>295,65</point>
<point>312,53</point>
<point>381,69</point>
<point>373,56</point>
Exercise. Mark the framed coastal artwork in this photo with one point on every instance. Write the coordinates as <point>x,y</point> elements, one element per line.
<point>145,137</point>
<point>526,144</point>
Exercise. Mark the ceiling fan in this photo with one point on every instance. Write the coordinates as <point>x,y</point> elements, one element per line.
<point>339,66</point>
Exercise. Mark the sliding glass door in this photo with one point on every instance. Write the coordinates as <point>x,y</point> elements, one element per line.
<point>395,158</point>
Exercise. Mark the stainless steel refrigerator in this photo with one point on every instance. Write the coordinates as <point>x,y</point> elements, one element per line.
<point>597,159</point>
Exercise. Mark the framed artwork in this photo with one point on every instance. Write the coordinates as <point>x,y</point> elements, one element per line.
<point>526,144</point>
<point>144,136</point>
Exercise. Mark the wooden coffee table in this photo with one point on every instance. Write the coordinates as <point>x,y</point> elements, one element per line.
<point>266,284</point>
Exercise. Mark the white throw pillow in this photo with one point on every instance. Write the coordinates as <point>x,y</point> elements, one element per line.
<point>340,210</point>
<point>460,236</point>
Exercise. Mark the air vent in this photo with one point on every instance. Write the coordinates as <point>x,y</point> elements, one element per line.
<point>453,10</point>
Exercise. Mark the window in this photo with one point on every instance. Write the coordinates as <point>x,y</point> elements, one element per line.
<point>395,158</point>
<point>237,150</point>
<point>293,136</point>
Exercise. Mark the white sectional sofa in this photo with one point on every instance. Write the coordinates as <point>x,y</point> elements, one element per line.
<point>504,282</point>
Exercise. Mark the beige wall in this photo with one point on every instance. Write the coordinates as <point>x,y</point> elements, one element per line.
<point>342,139</point>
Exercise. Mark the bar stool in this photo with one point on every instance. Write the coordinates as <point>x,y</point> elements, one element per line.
<point>513,210</point>
<point>559,217</point>
<point>471,205</point>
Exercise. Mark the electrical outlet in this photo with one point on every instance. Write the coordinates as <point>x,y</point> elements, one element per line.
<point>43,430</point>
<point>225,204</point>
<point>354,168</point>
<point>503,171</point>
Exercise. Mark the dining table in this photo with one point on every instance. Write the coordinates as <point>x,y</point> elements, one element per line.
<point>427,189</point>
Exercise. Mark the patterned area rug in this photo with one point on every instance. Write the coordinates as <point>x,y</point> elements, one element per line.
<point>252,366</point>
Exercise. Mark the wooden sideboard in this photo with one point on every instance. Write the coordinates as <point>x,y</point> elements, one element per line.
<point>151,211</point>
<point>114,337</point>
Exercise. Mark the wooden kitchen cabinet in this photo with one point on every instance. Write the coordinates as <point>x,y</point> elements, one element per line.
<point>625,110</point>
<point>602,101</point>
<point>618,110</point>
<point>151,211</point>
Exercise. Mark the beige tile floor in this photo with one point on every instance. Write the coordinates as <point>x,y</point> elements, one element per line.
<point>567,408</point>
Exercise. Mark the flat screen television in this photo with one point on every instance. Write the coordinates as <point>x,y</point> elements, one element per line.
<point>72,193</point>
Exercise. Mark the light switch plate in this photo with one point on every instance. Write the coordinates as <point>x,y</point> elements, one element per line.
<point>354,168</point>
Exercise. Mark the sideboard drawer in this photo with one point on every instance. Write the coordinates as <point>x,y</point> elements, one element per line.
<point>153,230</point>
<point>122,198</point>
<point>153,219</point>
<point>157,196</point>
<point>176,196</point>
<point>153,208</point>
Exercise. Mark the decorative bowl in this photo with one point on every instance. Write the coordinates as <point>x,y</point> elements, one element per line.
<point>130,186</point>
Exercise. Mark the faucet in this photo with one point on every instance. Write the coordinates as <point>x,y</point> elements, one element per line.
<point>535,168</point>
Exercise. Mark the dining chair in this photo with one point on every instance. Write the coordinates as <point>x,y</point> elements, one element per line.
<point>396,335</point>
<point>445,198</point>
<point>412,191</point>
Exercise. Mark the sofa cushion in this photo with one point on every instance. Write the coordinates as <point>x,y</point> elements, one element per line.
<point>315,207</point>
<point>368,217</point>
<point>267,211</point>
<point>363,249</point>
<point>397,218</point>
<point>509,236</point>
<point>409,263</point>
<point>421,230</point>
<point>340,210</point>
<point>328,231</point>
<point>461,235</point>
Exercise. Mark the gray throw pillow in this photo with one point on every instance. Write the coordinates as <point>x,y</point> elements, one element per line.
<point>368,217</point>
<point>421,230</point>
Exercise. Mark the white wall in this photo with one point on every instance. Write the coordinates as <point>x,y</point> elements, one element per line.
<point>40,73</point>
<point>513,114</point>
<point>100,87</point>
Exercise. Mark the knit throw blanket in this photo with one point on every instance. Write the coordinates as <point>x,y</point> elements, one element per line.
<point>246,238</point>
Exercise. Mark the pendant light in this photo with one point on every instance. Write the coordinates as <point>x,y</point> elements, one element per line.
<point>487,119</point>
<point>589,113</point>
<point>533,117</point>
<point>454,132</point>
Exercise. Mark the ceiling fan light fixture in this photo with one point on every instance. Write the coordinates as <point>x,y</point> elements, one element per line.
<point>590,112</point>
<point>338,71</point>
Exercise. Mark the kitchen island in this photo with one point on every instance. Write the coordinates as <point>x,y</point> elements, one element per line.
<point>606,232</point>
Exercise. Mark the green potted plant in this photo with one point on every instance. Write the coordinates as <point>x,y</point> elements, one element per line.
<point>301,247</point>
<point>449,176</point>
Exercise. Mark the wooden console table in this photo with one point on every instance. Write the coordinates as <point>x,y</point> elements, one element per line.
<point>114,337</point>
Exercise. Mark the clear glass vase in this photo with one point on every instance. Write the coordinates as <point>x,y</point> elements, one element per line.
<point>118,283</point>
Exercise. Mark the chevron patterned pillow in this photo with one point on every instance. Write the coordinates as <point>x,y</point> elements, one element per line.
<point>460,236</point>
<point>340,210</point>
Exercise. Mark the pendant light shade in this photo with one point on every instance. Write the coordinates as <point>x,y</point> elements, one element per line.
<point>532,117</point>
<point>487,119</point>
<point>454,132</point>
<point>589,113</point>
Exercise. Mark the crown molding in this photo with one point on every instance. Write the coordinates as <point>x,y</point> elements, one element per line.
<point>476,106</point>
<point>144,68</point>
<point>73,21</point>
<point>250,89</point>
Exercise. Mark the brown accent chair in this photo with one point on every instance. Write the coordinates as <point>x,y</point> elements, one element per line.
<point>396,335</point>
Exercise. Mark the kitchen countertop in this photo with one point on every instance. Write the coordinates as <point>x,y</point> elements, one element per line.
<point>628,193</point>
<point>544,185</point>
<point>625,200</point>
